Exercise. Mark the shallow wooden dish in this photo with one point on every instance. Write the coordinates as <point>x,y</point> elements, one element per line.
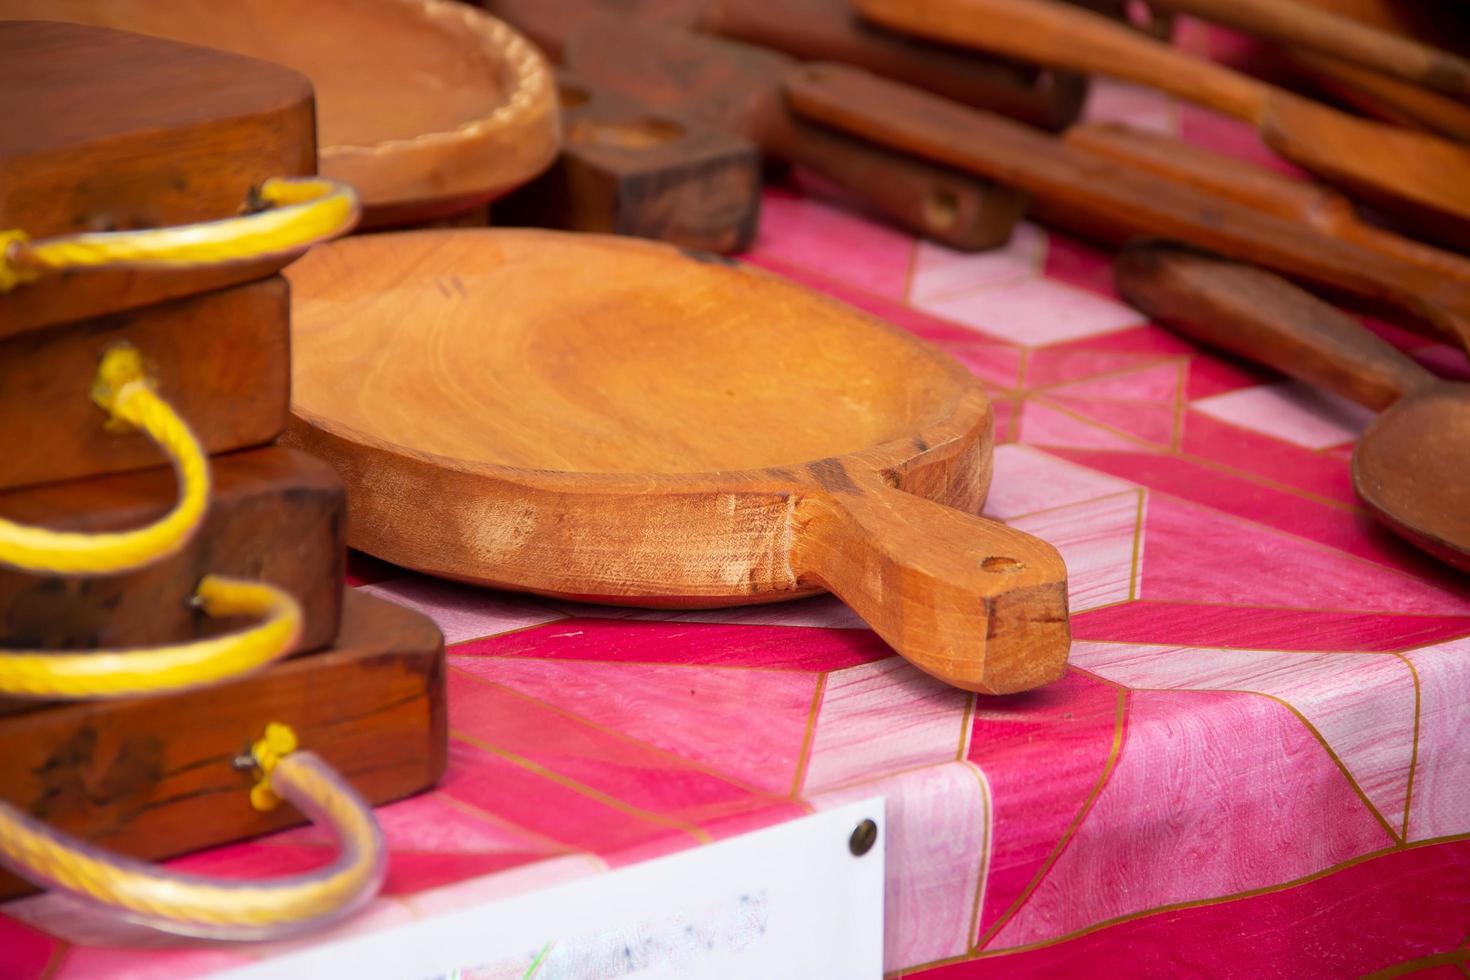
<point>616,420</point>
<point>427,107</point>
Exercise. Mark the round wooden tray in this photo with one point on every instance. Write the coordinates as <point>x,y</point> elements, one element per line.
<point>427,107</point>
<point>610,419</point>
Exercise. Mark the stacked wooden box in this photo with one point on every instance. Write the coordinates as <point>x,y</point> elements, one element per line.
<point>109,131</point>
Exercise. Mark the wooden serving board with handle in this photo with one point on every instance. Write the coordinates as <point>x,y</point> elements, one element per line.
<point>617,420</point>
<point>221,360</point>
<point>1099,197</point>
<point>737,88</point>
<point>626,169</point>
<point>153,777</point>
<point>1409,467</point>
<point>109,131</point>
<point>275,515</point>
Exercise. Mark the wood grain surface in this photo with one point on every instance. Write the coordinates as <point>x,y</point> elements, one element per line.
<point>736,88</point>
<point>1269,191</point>
<point>829,30</point>
<point>627,169</point>
<point>275,515</point>
<point>1322,32</point>
<point>1409,465</point>
<point>611,419</point>
<point>153,777</point>
<point>221,360</point>
<point>426,107</point>
<point>108,131</point>
<point>1094,195</point>
<point>1382,97</point>
<point>1420,177</point>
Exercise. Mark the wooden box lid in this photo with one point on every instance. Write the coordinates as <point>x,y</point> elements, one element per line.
<point>106,130</point>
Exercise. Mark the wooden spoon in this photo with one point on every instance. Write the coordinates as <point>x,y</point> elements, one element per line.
<point>611,419</point>
<point>1266,190</point>
<point>1098,197</point>
<point>1304,26</point>
<point>1424,178</point>
<point>1410,465</point>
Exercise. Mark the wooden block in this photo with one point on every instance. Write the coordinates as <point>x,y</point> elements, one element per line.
<point>106,130</point>
<point>276,515</point>
<point>222,360</point>
<point>152,777</point>
<point>629,170</point>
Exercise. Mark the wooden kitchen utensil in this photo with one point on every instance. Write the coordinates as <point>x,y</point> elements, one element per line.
<point>610,419</point>
<point>427,107</point>
<point>1269,191</point>
<point>1304,26</point>
<point>1409,467</point>
<point>274,515</point>
<point>222,359</point>
<point>1382,97</point>
<point>626,169</point>
<point>1098,197</point>
<point>828,30</point>
<point>85,112</point>
<point>157,776</point>
<point>736,88</point>
<point>1442,24</point>
<point>1421,177</point>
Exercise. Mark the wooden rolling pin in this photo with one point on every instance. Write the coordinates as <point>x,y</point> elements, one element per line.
<point>1093,194</point>
<point>1421,177</point>
<point>1268,191</point>
<point>1304,26</point>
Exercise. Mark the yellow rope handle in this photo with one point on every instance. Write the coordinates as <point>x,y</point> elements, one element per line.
<point>301,211</point>
<point>153,670</point>
<point>125,392</point>
<point>194,905</point>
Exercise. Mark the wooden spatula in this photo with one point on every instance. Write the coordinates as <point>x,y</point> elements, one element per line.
<point>1098,197</point>
<point>1410,466</point>
<point>1303,26</point>
<point>1269,191</point>
<point>1424,178</point>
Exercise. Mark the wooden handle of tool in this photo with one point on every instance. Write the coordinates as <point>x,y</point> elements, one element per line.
<point>1260,316</point>
<point>970,601</point>
<point>1064,36</point>
<point>956,208</point>
<point>1268,191</point>
<point>1305,26</point>
<point>1081,190</point>
<point>828,30</point>
<point>1382,97</point>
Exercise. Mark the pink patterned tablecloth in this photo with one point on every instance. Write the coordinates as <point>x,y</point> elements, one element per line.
<point>1257,764</point>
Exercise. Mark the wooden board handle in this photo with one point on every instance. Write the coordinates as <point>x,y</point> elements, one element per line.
<point>1083,190</point>
<point>1064,36</point>
<point>1260,316</point>
<point>1268,191</point>
<point>956,208</point>
<point>828,30</point>
<point>1305,26</point>
<point>970,601</point>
